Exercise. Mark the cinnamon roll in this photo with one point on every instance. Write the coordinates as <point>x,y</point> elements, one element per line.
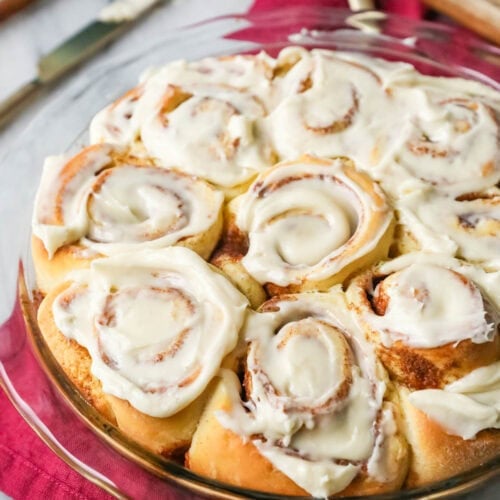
<point>448,144</point>
<point>467,226</point>
<point>144,334</point>
<point>316,417</point>
<point>331,104</point>
<point>305,225</point>
<point>104,202</point>
<point>435,323</point>
<point>222,99</point>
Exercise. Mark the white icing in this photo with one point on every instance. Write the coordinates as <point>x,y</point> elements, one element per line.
<point>409,131</point>
<point>466,406</point>
<point>446,143</point>
<point>432,300</point>
<point>157,325</point>
<point>308,220</point>
<point>329,106</point>
<point>226,148</point>
<point>124,10</point>
<point>468,228</point>
<point>315,393</point>
<point>224,101</point>
<point>117,208</point>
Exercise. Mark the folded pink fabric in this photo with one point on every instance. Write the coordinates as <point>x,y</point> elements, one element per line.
<point>28,468</point>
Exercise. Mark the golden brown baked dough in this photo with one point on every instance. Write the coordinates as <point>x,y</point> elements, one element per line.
<point>392,140</point>
<point>327,185</point>
<point>222,452</point>
<point>438,455</point>
<point>166,436</point>
<point>375,296</point>
<point>104,210</point>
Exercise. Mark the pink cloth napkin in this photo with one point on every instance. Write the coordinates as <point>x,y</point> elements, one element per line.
<point>28,468</point>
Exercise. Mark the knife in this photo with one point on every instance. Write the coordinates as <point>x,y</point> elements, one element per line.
<point>70,54</point>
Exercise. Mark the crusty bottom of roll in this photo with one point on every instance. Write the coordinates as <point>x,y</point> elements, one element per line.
<point>437,455</point>
<point>220,454</point>
<point>165,436</point>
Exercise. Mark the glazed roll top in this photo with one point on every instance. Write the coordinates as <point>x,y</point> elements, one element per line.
<point>467,226</point>
<point>449,144</point>
<point>310,220</point>
<point>428,300</point>
<point>314,395</point>
<point>222,100</point>
<point>429,305</point>
<point>156,324</point>
<point>466,406</point>
<point>436,323</point>
<point>329,105</point>
<point>112,203</point>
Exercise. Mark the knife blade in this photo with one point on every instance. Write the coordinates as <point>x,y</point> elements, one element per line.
<point>66,57</point>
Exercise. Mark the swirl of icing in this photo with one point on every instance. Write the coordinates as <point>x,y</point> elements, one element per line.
<point>112,203</point>
<point>328,106</point>
<point>120,122</point>
<point>468,226</point>
<point>310,200</point>
<point>156,324</point>
<point>428,300</point>
<point>450,143</point>
<point>467,405</point>
<point>226,149</point>
<point>315,395</point>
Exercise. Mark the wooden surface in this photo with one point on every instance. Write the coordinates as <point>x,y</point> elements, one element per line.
<point>481,16</point>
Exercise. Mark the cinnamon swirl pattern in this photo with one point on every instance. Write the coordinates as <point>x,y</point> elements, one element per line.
<point>435,324</point>
<point>104,202</point>
<point>448,144</point>
<point>157,333</point>
<point>309,223</point>
<point>222,100</point>
<point>329,105</point>
<point>368,185</point>
<point>467,226</point>
<point>315,404</point>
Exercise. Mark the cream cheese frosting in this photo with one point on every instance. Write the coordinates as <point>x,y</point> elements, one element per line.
<point>432,300</point>
<point>467,226</point>
<point>307,220</point>
<point>411,132</point>
<point>223,99</point>
<point>467,405</point>
<point>315,392</point>
<point>157,325</point>
<point>112,208</point>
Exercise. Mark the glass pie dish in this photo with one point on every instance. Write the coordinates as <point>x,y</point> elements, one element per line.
<point>29,374</point>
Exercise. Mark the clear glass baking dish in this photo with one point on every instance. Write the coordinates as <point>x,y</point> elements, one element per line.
<point>28,373</point>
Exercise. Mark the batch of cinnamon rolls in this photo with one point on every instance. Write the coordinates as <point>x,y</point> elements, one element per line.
<point>284,271</point>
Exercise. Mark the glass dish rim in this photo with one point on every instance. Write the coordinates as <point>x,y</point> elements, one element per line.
<point>464,481</point>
